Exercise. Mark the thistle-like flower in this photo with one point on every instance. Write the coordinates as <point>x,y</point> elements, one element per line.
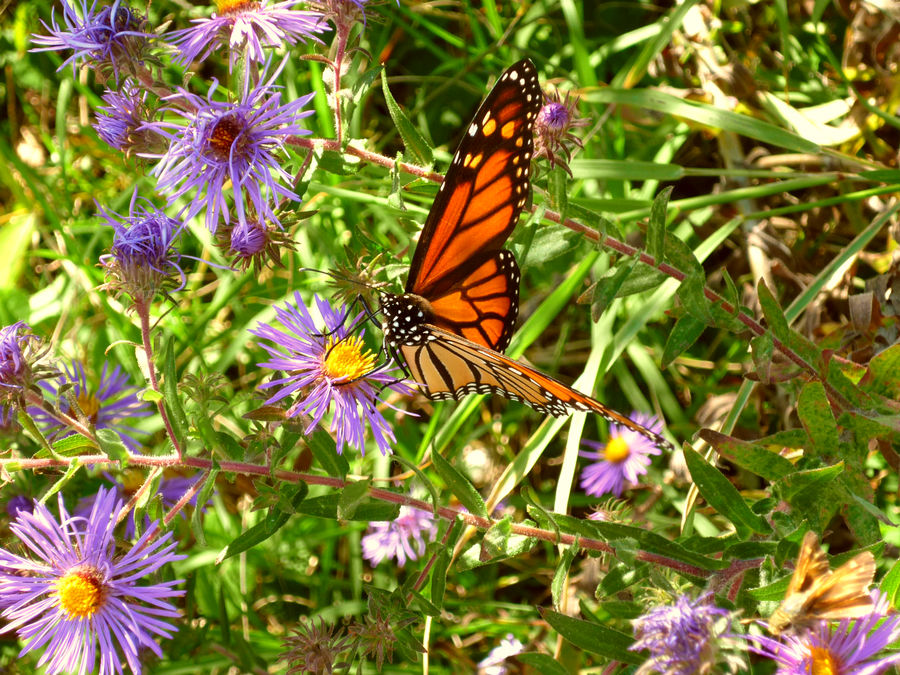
<point>329,367</point>
<point>684,638</point>
<point>254,244</point>
<point>119,122</point>
<point>230,148</point>
<point>247,28</point>
<point>111,38</point>
<point>622,459</point>
<point>20,350</point>
<point>76,599</point>
<point>553,129</point>
<point>143,260</point>
<point>315,649</point>
<point>403,538</point>
<point>112,404</point>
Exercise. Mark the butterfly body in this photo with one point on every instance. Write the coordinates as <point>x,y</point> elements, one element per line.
<point>461,299</point>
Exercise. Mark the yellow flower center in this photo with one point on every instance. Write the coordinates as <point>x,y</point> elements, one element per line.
<point>227,6</point>
<point>89,405</point>
<point>347,359</point>
<point>616,450</point>
<point>823,662</point>
<point>81,593</point>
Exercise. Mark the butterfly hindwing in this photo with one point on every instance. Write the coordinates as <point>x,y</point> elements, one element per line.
<point>484,307</point>
<point>450,367</point>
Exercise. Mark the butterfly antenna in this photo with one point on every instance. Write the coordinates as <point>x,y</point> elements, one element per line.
<point>339,277</point>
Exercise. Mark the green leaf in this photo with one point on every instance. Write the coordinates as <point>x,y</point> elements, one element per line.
<point>890,584</point>
<point>550,243</point>
<point>754,457</point>
<point>642,278</point>
<point>656,228</point>
<point>352,495</point>
<point>542,663</point>
<point>800,481</point>
<point>326,506</point>
<point>460,486</point>
<point>817,418</point>
<point>684,333</point>
<point>625,169</point>
<point>151,395</point>
<point>608,288</point>
<point>324,449</point>
<point>417,147</point>
<point>558,184</point>
<point>111,444</point>
<point>884,373</point>
<point>719,493</point>
<point>439,576</point>
<point>198,516</point>
<point>170,388</point>
<point>70,446</point>
<point>761,349</point>
<point>593,637</point>
<point>773,313</point>
<point>558,585</point>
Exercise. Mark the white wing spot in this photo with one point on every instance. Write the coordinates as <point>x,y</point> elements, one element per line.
<point>473,130</point>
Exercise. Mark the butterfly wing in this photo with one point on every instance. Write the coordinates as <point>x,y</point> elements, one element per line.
<point>816,592</point>
<point>844,594</point>
<point>459,265</point>
<point>812,564</point>
<point>449,367</point>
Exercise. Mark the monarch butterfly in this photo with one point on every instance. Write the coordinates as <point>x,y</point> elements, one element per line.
<point>462,294</point>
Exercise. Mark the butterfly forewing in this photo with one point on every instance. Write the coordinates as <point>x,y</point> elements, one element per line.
<point>484,191</point>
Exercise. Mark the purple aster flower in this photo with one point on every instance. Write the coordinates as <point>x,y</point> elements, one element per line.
<point>623,458</point>
<point>552,129</point>
<point>850,648</point>
<point>74,596</point>
<point>246,28</point>
<point>119,121</point>
<point>19,351</point>
<point>109,38</point>
<point>495,662</point>
<point>114,403</point>
<point>222,142</point>
<point>331,366</point>
<point>403,538</point>
<point>683,638</point>
<point>143,258</point>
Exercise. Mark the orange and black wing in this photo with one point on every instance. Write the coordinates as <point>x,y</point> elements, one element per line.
<point>449,367</point>
<point>459,264</point>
